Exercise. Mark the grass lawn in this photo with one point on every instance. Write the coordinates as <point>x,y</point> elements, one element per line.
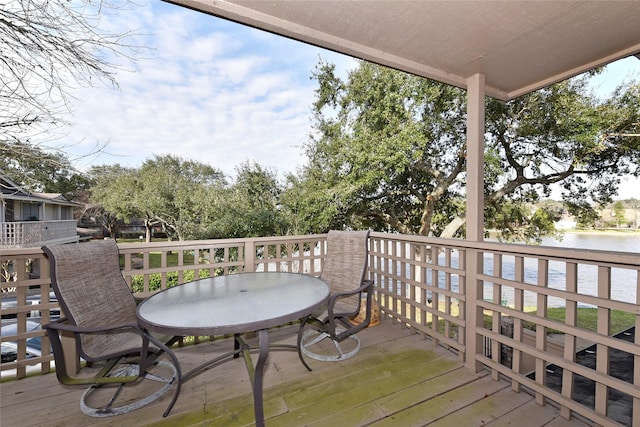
<point>588,319</point>
<point>154,257</point>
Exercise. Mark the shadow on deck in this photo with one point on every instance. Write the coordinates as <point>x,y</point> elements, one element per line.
<point>397,379</point>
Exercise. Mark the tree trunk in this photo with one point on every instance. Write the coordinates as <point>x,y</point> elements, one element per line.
<point>147,231</point>
<point>451,228</point>
<point>427,215</point>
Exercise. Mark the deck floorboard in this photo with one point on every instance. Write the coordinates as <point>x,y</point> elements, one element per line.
<point>397,379</point>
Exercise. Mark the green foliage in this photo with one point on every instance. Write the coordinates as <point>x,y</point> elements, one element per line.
<point>372,163</point>
<point>389,153</point>
<point>155,279</point>
<point>619,213</point>
<point>191,200</point>
<point>39,171</point>
<point>180,195</point>
<point>585,214</point>
<point>253,204</point>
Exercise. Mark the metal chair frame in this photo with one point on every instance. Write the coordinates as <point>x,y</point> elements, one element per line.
<point>344,271</point>
<point>90,273</point>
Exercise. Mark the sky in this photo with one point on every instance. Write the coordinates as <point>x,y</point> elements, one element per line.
<point>208,90</point>
<point>214,91</point>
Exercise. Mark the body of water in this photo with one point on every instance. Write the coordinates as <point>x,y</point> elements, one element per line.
<point>622,242</point>
<point>623,281</point>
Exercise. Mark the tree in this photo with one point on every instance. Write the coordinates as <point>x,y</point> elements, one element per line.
<point>191,200</point>
<point>113,196</point>
<point>254,201</point>
<point>389,152</point>
<point>309,205</point>
<point>618,212</point>
<point>178,194</point>
<point>47,49</point>
<point>39,171</point>
<point>635,205</point>
<point>586,215</point>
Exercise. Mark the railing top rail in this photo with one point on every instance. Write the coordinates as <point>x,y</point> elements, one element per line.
<point>545,252</point>
<point>47,221</point>
<point>191,244</point>
<point>21,252</point>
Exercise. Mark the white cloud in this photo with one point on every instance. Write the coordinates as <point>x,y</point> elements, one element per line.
<point>207,90</point>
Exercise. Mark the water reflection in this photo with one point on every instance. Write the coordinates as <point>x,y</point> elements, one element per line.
<point>623,281</point>
<point>622,242</point>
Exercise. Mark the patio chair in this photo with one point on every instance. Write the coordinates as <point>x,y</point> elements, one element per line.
<point>344,271</point>
<point>99,311</point>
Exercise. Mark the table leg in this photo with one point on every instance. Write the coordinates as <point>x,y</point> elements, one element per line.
<point>263,341</point>
<point>236,345</point>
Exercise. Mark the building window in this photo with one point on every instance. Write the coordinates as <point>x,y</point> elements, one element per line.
<point>30,212</point>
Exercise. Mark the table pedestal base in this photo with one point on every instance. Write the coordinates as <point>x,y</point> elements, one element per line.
<point>255,371</point>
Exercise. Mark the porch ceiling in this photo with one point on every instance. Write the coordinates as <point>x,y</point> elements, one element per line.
<point>519,46</point>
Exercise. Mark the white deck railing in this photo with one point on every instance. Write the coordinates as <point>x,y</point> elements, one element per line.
<point>29,234</point>
<point>459,294</point>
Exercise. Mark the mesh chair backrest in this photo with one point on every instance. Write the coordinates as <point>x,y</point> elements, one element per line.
<point>345,265</point>
<point>91,290</point>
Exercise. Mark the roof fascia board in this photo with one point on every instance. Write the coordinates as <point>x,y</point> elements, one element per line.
<point>36,199</point>
<point>250,17</point>
<point>10,184</point>
<point>631,51</point>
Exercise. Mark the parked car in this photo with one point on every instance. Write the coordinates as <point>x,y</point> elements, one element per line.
<point>11,302</point>
<point>10,348</point>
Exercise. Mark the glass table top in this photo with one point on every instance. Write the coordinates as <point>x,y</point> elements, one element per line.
<point>233,303</point>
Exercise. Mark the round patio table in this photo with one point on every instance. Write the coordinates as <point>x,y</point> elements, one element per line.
<point>235,304</point>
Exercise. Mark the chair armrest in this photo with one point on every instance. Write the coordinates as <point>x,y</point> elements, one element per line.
<point>59,325</point>
<point>147,353</point>
<point>366,286</point>
<point>333,317</point>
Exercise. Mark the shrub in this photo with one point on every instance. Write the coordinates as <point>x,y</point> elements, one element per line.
<point>155,279</point>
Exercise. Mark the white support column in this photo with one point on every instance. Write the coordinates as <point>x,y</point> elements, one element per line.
<point>474,216</point>
<point>475,157</point>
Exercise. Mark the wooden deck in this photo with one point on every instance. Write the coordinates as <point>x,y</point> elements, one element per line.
<point>397,379</point>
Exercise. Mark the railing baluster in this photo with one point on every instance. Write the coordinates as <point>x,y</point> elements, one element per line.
<point>406,269</point>
<point>635,413</point>
<point>570,319</point>
<point>541,331</point>
<point>496,318</point>
<point>517,322</point>
<point>602,350</point>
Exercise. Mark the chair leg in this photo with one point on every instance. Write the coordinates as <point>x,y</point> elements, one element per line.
<point>111,409</point>
<point>311,340</point>
<point>304,362</point>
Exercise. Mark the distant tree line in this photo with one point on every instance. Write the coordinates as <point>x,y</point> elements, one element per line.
<point>188,199</point>
<point>387,151</point>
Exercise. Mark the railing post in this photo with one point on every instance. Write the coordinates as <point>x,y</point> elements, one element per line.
<point>249,256</point>
<point>72,362</point>
<point>473,313</point>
